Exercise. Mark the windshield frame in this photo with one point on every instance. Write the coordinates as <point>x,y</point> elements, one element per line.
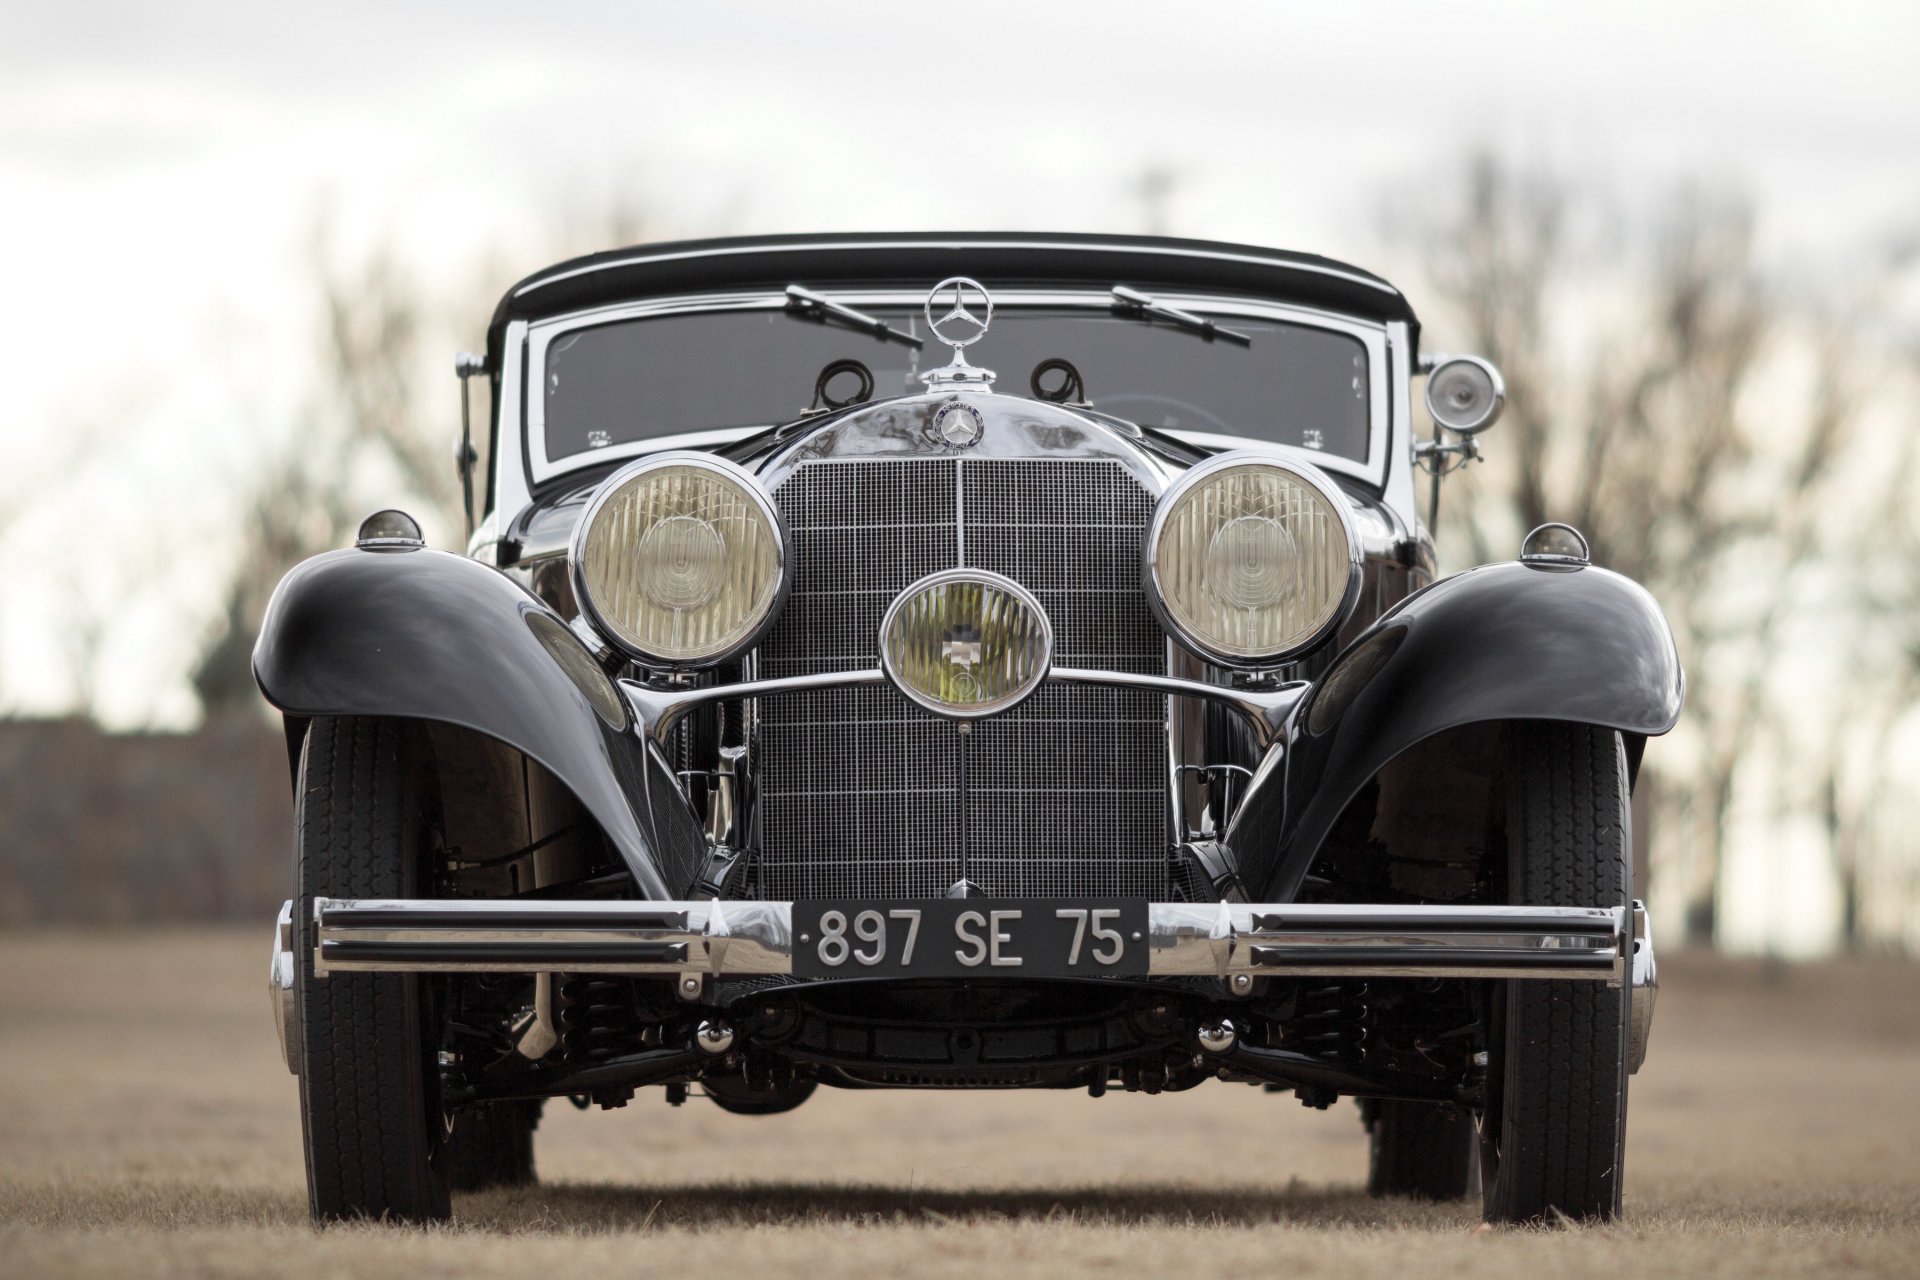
<point>1374,337</point>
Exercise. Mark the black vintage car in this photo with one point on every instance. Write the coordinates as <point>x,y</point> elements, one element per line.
<point>814,706</point>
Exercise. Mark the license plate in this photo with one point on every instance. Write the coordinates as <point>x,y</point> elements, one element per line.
<point>971,938</point>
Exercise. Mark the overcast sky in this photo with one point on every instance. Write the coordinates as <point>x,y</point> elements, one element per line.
<point>161,164</point>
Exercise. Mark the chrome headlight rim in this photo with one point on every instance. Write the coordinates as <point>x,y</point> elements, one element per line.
<point>613,484</point>
<point>979,577</point>
<point>1314,478</point>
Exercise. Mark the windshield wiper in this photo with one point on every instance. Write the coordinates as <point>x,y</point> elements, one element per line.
<point>1135,303</point>
<point>806,302</point>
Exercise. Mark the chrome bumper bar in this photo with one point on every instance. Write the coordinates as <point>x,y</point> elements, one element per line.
<point>1231,941</point>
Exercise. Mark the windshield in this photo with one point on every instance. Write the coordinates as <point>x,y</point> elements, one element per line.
<point>631,380</point>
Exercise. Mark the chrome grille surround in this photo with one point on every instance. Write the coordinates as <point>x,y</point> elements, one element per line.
<point>863,794</point>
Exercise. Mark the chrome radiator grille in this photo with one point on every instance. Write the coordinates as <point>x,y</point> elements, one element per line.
<point>863,794</point>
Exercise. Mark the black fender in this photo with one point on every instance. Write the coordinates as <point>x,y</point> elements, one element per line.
<point>433,636</point>
<point>1507,641</point>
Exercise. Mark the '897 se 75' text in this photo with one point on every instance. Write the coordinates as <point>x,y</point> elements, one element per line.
<point>970,937</point>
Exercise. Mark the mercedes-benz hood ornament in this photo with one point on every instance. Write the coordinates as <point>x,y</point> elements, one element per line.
<point>959,311</point>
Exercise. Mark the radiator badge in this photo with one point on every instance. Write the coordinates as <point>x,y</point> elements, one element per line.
<point>958,424</point>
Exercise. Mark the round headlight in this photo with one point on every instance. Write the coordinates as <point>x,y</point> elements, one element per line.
<point>966,643</point>
<point>1252,561</point>
<point>679,559</point>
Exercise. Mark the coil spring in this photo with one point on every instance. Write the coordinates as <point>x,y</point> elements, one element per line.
<point>594,1016</point>
<point>1328,1021</point>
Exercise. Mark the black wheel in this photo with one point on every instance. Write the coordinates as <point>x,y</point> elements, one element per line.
<point>369,1096</point>
<point>493,1147</point>
<point>1553,1134</point>
<point>1426,1150</point>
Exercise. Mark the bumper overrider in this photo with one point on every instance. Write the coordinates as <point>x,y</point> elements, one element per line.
<point>1236,943</point>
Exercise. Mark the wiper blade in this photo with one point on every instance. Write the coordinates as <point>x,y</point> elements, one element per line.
<point>1133,302</point>
<point>806,302</point>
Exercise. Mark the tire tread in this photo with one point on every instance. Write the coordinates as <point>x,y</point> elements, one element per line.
<point>362,1084</point>
<point>1565,1085</point>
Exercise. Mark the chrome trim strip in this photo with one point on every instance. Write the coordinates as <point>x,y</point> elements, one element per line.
<point>959,531</point>
<point>1397,483</point>
<point>659,710</point>
<point>1219,939</point>
<point>512,464</point>
<point>1266,710</point>
<point>422,935</point>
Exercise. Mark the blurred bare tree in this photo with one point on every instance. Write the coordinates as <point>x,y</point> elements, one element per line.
<point>22,489</point>
<point>303,507</point>
<point>1853,767</point>
<point>364,416</point>
<point>1648,407</point>
<point>380,426</point>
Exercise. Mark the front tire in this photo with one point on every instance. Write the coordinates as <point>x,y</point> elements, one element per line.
<point>1553,1134</point>
<point>493,1147</point>
<point>1423,1150</point>
<point>369,1078</point>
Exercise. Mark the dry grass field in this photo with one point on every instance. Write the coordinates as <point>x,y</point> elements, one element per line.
<point>147,1129</point>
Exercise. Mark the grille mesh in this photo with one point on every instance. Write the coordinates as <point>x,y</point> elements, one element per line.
<point>863,794</point>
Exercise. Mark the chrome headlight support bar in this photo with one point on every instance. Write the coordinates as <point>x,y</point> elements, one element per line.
<point>1265,710</point>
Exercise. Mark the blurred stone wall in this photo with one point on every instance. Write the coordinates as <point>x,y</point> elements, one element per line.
<point>103,828</point>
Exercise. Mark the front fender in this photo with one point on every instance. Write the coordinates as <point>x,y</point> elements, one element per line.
<point>427,635</point>
<point>1501,642</point>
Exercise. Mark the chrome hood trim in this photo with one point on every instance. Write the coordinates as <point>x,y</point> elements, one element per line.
<point>1011,427</point>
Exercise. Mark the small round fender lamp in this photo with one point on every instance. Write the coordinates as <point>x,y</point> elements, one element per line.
<point>1555,546</point>
<point>966,643</point>
<point>389,530</point>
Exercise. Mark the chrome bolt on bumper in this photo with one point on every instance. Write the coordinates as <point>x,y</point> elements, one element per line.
<point>1217,1037</point>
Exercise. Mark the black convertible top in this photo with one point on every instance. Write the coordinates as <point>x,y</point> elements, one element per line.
<point>996,259</point>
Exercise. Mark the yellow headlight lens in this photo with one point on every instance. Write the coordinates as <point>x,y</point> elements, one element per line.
<point>1252,561</point>
<point>679,560</point>
<point>966,643</point>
